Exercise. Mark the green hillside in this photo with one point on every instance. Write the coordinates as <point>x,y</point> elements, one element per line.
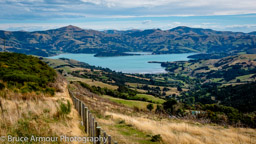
<point>29,105</point>
<point>24,73</point>
<point>233,69</point>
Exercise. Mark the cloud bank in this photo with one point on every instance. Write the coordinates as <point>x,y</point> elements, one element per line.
<point>16,14</point>
<point>36,9</point>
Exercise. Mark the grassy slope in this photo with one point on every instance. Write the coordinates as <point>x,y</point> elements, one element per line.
<point>38,114</point>
<point>56,62</point>
<point>40,117</point>
<point>194,68</point>
<point>173,90</point>
<point>128,103</point>
<point>127,125</point>
<point>26,73</point>
<point>150,97</point>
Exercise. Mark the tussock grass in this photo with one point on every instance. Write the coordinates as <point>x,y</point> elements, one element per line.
<point>43,116</point>
<point>184,132</point>
<point>128,126</point>
<point>128,103</point>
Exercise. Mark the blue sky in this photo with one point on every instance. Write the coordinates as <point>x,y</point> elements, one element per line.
<point>33,15</point>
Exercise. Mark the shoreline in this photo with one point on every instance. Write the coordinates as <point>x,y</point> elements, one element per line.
<point>143,64</point>
<point>121,55</point>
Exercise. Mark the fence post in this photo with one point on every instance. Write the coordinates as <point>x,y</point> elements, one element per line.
<point>98,130</point>
<point>109,139</point>
<point>82,112</point>
<point>95,127</point>
<point>104,137</point>
<point>92,123</point>
<point>86,119</point>
<point>95,130</point>
<point>89,123</point>
<point>79,107</point>
<point>76,104</point>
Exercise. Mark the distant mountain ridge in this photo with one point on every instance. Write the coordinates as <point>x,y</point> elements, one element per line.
<point>72,39</point>
<point>253,33</point>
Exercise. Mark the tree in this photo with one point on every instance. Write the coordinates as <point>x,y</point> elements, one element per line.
<point>169,105</point>
<point>179,88</point>
<point>159,109</point>
<point>150,107</point>
<point>2,86</point>
<point>165,89</point>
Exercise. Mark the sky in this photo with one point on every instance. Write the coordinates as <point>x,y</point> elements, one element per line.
<point>35,15</point>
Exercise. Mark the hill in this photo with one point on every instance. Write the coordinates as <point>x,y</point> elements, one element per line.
<point>132,125</point>
<point>176,93</point>
<point>34,102</point>
<point>228,81</point>
<point>253,33</point>
<point>130,120</point>
<point>26,73</point>
<point>72,39</point>
<point>227,70</point>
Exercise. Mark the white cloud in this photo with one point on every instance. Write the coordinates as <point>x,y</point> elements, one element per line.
<point>130,3</point>
<point>233,4</point>
<point>138,14</point>
<point>12,9</point>
<point>97,2</point>
<point>146,21</point>
<point>242,26</point>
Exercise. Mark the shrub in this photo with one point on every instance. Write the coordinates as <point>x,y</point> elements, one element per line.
<point>26,73</point>
<point>169,105</point>
<point>2,86</point>
<point>65,108</point>
<point>150,107</point>
<point>136,109</point>
<point>159,109</point>
<point>156,138</point>
<point>121,122</point>
<point>49,90</point>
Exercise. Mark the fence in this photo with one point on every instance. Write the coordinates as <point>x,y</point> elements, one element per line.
<point>89,122</point>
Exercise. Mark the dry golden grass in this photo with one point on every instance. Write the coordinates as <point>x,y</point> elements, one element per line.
<point>138,77</point>
<point>140,125</point>
<point>173,90</point>
<point>92,82</point>
<point>41,114</point>
<point>187,133</point>
<point>178,131</point>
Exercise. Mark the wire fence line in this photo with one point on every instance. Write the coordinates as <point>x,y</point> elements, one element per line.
<point>90,124</point>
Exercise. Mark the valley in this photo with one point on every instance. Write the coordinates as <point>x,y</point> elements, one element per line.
<point>121,101</point>
<point>137,108</point>
<point>195,84</point>
<point>127,72</point>
<point>136,98</point>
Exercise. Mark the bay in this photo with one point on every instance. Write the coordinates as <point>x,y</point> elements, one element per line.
<point>128,64</point>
